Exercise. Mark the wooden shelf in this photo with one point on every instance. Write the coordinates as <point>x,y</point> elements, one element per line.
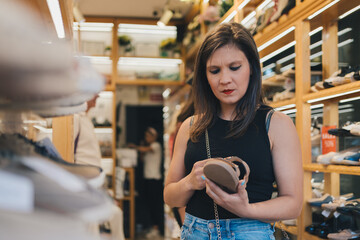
<point>308,236</point>
<point>341,169</point>
<point>149,82</point>
<point>331,93</point>
<point>282,103</point>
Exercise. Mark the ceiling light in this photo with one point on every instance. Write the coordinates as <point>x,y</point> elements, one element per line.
<point>243,4</point>
<point>342,32</point>
<point>350,12</point>
<point>264,4</point>
<point>346,42</point>
<point>79,17</point>
<point>285,107</point>
<point>333,96</point>
<point>322,9</point>
<point>55,12</point>
<point>317,106</point>
<point>272,65</point>
<point>268,43</point>
<point>285,59</point>
<point>267,76</point>
<point>228,18</point>
<point>291,111</point>
<point>165,18</point>
<point>314,45</point>
<point>248,17</point>
<point>315,55</point>
<point>315,31</point>
<point>147,29</point>
<point>267,57</point>
<point>283,69</point>
<point>93,27</point>
<point>349,99</point>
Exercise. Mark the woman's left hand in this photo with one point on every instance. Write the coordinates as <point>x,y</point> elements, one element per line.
<point>236,203</point>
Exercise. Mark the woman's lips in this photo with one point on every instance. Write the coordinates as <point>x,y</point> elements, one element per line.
<point>227,92</point>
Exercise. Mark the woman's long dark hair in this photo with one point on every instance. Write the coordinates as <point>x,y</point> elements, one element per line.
<point>207,106</point>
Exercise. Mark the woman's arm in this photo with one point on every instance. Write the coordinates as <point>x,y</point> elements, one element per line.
<point>288,170</point>
<point>178,187</point>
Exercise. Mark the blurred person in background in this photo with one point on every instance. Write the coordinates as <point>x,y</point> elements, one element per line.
<point>151,155</point>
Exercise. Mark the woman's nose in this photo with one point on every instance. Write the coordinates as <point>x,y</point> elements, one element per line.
<point>225,77</point>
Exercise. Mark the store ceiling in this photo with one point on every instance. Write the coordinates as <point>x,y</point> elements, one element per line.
<point>144,9</point>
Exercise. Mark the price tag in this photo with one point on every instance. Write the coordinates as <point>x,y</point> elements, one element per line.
<point>336,214</point>
<point>326,213</point>
<point>328,141</point>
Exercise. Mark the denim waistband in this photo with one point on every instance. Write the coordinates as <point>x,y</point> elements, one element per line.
<point>227,225</point>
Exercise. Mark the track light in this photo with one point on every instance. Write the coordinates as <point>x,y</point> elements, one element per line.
<point>79,17</point>
<point>165,18</point>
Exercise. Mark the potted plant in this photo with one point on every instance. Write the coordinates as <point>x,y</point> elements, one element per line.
<point>124,41</point>
<point>129,50</point>
<point>167,47</point>
<point>107,51</point>
<point>225,5</point>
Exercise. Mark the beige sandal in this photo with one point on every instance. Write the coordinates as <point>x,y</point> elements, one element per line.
<point>225,173</point>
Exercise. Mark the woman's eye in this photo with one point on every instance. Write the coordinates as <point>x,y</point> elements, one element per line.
<point>235,68</point>
<point>215,71</point>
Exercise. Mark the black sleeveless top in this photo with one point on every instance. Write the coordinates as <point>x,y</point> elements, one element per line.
<point>253,147</point>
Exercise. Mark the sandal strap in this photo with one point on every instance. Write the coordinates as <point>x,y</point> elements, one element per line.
<point>230,161</point>
<point>233,159</point>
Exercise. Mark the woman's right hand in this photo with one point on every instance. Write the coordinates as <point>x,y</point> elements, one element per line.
<point>196,178</point>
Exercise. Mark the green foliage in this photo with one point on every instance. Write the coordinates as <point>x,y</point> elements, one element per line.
<point>225,5</point>
<point>124,40</point>
<point>168,44</point>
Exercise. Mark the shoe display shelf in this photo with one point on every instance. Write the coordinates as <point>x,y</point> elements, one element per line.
<point>306,16</point>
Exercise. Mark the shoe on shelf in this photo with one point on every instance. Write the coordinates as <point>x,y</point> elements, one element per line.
<point>344,235</point>
<point>339,158</point>
<point>289,6</point>
<point>319,85</point>
<point>326,158</point>
<point>351,207</point>
<point>278,8</point>
<point>316,202</point>
<point>353,159</point>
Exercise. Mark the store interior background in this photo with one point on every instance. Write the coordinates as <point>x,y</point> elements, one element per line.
<point>146,87</point>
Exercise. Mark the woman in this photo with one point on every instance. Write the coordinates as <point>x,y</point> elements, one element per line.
<point>229,105</point>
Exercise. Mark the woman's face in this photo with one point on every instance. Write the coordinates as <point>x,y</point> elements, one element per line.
<point>228,73</point>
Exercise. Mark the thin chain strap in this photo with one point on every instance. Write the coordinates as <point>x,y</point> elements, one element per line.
<point>215,205</point>
<point>286,236</point>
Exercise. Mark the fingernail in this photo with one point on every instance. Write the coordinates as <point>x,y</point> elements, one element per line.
<point>203,177</point>
<point>242,183</point>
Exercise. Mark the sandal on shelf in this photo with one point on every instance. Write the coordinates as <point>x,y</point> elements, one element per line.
<point>225,172</point>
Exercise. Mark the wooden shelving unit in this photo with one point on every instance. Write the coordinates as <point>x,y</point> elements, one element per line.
<point>339,169</point>
<point>282,103</point>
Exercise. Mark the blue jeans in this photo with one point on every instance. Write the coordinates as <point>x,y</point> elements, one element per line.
<point>235,229</point>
